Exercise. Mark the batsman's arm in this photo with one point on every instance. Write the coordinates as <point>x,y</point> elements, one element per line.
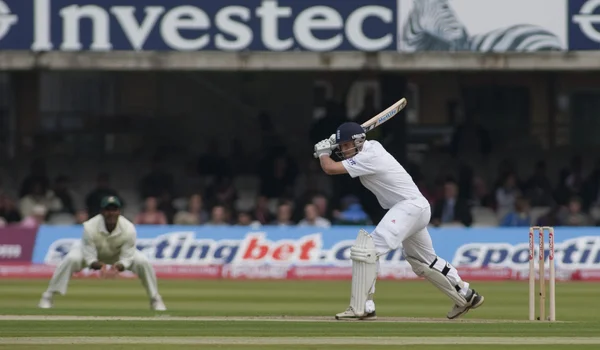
<point>331,167</point>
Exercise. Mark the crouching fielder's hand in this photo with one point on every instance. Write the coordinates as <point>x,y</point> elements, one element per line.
<point>323,148</point>
<point>112,272</point>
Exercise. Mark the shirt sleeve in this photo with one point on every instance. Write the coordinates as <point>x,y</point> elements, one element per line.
<point>128,249</point>
<point>90,254</point>
<point>359,165</point>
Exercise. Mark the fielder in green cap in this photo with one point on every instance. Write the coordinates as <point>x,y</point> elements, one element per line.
<point>108,239</point>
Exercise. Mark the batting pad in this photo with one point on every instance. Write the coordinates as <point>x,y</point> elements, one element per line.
<point>438,278</point>
<point>364,270</point>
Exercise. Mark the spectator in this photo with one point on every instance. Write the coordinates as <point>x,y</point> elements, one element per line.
<point>507,194</point>
<point>539,188</point>
<point>218,216</point>
<point>8,210</point>
<point>322,206</point>
<point>151,215</point>
<point>261,210</point>
<point>157,181</point>
<point>39,197</point>
<point>312,218</point>
<point>103,189</point>
<point>81,216</point>
<point>520,217</point>
<point>62,192</point>
<point>284,215</point>
<point>573,216</point>
<point>352,213</point>
<point>36,217</point>
<point>38,175</point>
<point>244,218</point>
<point>451,209</point>
<point>194,215</point>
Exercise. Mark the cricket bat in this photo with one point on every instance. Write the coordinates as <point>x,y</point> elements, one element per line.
<point>382,117</point>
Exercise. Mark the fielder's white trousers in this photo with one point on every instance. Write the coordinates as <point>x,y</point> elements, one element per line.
<point>405,226</point>
<point>73,262</point>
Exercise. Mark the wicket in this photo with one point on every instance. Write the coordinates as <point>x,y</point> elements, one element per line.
<point>542,274</point>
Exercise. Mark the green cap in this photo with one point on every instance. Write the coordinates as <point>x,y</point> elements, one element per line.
<point>110,200</point>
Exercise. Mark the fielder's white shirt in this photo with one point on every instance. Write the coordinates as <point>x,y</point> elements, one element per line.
<point>381,173</point>
<point>100,245</point>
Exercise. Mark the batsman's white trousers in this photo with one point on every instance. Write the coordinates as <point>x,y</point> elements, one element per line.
<point>73,262</point>
<point>405,226</point>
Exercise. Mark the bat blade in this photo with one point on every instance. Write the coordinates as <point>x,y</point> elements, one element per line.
<point>384,116</point>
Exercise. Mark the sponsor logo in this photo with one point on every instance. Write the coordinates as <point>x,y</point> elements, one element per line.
<point>7,19</point>
<point>10,251</point>
<point>269,25</point>
<point>576,253</point>
<point>387,116</point>
<point>588,20</point>
<point>255,248</point>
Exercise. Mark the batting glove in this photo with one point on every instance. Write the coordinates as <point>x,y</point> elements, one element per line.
<point>323,148</point>
<point>332,141</point>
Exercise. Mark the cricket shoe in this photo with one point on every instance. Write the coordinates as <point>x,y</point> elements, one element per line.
<point>350,315</point>
<point>474,300</point>
<point>46,301</point>
<point>157,304</point>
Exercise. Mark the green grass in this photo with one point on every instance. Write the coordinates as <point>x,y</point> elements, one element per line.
<point>296,347</point>
<point>577,303</point>
<point>504,300</point>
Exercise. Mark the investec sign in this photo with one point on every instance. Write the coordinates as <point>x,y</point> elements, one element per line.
<point>192,25</point>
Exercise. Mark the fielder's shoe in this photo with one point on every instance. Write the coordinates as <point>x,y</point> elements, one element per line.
<point>157,304</point>
<point>46,301</point>
<point>474,300</point>
<point>350,315</point>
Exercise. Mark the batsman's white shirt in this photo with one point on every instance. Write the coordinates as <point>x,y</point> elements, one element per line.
<point>381,173</point>
<point>100,245</point>
<point>409,211</point>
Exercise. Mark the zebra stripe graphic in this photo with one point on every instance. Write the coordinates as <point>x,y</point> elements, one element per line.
<point>520,38</point>
<point>432,25</point>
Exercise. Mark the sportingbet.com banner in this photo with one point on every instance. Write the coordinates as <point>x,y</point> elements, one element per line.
<point>291,25</point>
<point>308,253</point>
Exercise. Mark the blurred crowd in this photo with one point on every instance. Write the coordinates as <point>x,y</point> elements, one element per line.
<point>286,198</point>
<point>286,191</point>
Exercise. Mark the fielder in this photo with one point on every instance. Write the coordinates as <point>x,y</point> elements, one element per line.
<point>404,225</point>
<point>108,238</point>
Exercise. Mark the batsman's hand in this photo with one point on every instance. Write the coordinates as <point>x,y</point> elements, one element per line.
<point>322,148</point>
<point>332,141</point>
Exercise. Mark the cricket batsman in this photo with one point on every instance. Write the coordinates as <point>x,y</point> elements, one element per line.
<point>108,239</point>
<point>404,225</point>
